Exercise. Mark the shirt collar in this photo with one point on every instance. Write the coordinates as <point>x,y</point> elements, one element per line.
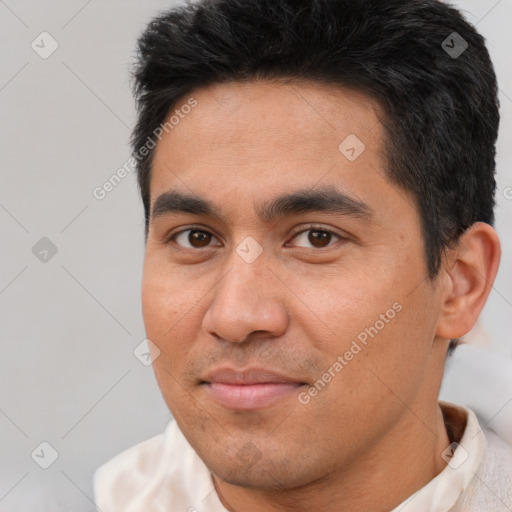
<point>462,457</point>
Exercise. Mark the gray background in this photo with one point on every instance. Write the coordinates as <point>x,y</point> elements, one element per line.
<point>71,320</point>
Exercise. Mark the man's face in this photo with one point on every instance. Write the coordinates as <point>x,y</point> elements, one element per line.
<point>250,311</point>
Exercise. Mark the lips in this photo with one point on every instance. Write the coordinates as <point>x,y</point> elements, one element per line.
<point>249,389</point>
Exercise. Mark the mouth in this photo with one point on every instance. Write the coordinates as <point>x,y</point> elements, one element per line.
<point>249,389</point>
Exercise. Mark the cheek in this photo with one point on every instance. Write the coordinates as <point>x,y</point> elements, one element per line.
<point>339,307</point>
<point>373,321</point>
<point>173,304</point>
<point>164,314</point>
<point>398,353</point>
<point>164,309</point>
<point>166,298</point>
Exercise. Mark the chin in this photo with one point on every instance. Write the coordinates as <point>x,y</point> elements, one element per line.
<point>257,478</point>
<point>264,474</point>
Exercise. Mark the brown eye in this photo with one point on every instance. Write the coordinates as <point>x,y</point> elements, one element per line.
<point>193,238</point>
<point>199,238</point>
<point>317,238</point>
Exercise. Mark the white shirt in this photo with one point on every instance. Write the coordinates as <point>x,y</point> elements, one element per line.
<point>164,474</point>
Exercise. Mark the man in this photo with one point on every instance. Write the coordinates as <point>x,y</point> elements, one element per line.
<point>318,183</point>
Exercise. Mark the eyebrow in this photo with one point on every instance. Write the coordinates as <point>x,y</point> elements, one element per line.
<point>298,202</point>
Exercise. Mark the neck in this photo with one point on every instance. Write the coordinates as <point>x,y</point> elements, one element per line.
<point>401,463</point>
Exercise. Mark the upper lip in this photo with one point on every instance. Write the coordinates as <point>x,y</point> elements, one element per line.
<point>247,376</point>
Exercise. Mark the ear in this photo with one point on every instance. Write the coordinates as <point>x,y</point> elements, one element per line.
<point>469,273</point>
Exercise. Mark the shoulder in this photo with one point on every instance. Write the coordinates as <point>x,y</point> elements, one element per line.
<point>160,474</point>
<point>497,461</point>
<point>125,475</point>
<point>491,486</point>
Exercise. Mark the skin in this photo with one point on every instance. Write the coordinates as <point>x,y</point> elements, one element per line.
<point>374,434</point>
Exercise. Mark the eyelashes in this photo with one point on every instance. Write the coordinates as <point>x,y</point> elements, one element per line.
<point>196,238</point>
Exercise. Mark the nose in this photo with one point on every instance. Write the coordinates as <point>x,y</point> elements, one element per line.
<point>248,299</point>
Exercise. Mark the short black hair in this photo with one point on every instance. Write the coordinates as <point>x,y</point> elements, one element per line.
<point>426,66</point>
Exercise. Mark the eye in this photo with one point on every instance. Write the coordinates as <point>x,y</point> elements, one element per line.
<point>195,238</point>
<point>317,237</point>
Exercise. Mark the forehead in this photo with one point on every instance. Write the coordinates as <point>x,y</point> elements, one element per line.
<point>260,139</point>
<point>278,114</point>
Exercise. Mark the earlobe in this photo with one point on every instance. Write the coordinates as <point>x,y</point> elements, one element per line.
<point>469,276</point>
